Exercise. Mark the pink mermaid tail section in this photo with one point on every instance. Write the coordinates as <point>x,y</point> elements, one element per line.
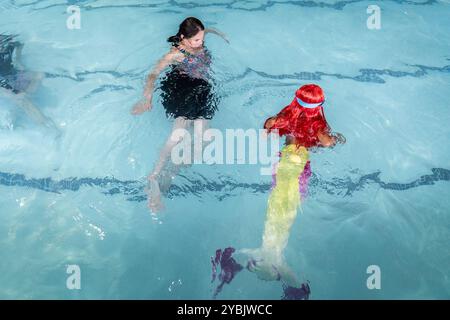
<point>292,293</point>
<point>303,180</point>
<point>228,268</point>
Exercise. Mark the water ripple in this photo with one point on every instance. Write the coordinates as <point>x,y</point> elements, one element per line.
<point>221,188</point>
<point>232,5</point>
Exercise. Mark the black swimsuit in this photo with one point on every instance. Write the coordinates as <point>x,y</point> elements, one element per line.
<point>186,89</point>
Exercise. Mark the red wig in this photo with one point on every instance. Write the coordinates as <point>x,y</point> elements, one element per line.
<point>304,117</point>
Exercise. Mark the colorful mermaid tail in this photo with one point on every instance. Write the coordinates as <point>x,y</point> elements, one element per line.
<point>228,268</point>
<point>291,173</point>
<point>303,179</point>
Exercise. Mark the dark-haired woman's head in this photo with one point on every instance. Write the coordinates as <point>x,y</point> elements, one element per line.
<point>191,32</point>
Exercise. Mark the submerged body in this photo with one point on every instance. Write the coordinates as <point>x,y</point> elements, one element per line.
<point>16,83</point>
<point>187,96</point>
<point>290,178</point>
<point>284,199</point>
<point>305,128</point>
<point>11,78</point>
<point>187,89</point>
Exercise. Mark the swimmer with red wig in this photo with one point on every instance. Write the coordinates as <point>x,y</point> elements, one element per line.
<point>305,127</point>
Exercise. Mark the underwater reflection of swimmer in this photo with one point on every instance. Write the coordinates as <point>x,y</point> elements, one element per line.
<point>16,83</point>
<point>187,96</point>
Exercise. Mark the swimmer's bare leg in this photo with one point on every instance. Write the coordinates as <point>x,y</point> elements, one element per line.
<point>36,79</point>
<point>30,109</point>
<point>167,175</point>
<point>179,124</point>
<point>34,113</point>
<point>18,56</point>
<point>200,126</point>
<point>154,202</point>
<point>154,191</point>
<point>171,170</point>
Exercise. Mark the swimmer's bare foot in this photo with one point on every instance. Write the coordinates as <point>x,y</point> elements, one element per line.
<point>154,194</point>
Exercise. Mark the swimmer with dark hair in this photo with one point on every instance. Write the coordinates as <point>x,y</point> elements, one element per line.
<point>16,83</point>
<point>187,96</point>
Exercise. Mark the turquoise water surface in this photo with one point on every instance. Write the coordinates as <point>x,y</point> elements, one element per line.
<point>78,199</point>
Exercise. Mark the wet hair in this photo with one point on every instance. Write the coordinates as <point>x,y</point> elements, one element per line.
<point>7,47</point>
<point>303,123</point>
<point>310,93</point>
<point>7,41</point>
<point>188,28</point>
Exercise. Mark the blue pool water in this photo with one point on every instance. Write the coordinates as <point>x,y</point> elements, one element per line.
<point>381,199</point>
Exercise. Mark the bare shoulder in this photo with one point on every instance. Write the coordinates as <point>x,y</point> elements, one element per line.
<point>174,54</point>
<point>173,50</point>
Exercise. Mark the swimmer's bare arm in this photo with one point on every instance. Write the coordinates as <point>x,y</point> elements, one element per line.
<point>217,32</point>
<point>146,103</point>
<point>330,140</point>
<point>269,123</point>
<point>282,118</point>
<point>18,56</point>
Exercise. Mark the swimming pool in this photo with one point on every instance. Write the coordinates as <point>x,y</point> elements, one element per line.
<point>381,199</point>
